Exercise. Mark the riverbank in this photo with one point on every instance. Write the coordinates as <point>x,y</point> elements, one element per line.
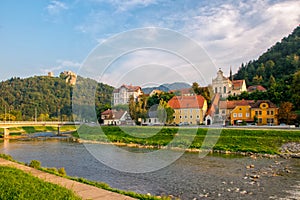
<point>83,188</point>
<point>266,143</point>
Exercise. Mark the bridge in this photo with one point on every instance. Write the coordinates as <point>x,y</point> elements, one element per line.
<point>10,124</point>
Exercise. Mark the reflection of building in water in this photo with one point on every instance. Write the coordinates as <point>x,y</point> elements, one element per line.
<point>225,87</point>
<point>122,94</point>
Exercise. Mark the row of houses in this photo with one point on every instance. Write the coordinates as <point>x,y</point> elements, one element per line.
<point>193,109</point>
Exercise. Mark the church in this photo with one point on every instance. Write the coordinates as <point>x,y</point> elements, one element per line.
<point>227,86</point>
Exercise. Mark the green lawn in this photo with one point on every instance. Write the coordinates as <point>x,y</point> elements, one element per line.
<point>243,140</point>
<point>16,184</point>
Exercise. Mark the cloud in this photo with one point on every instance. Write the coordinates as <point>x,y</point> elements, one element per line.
<point>232,32</point>
<point>55,7</point>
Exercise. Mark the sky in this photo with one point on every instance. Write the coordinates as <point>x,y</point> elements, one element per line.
<point>39,36</point>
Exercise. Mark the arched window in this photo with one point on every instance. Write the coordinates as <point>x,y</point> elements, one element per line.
<point>224,89</point>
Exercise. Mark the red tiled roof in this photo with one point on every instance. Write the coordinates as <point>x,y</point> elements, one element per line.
<point>237,84</point>
<point>180,102</point>
<point>130,88</point>
<point>113,114</point>
<point>256,87</point>
<point>212,109</point>
<point>107,112</point>
<point>233,104</point>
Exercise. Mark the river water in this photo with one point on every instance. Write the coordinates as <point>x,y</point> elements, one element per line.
<point>212,177</point>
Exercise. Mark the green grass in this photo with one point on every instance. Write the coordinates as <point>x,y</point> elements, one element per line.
<point>62,173</point>
<point>16,184</point>
<point>235,140</point>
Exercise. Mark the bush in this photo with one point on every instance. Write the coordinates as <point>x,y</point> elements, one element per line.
<point>62,171</point>
<point>35,164</point>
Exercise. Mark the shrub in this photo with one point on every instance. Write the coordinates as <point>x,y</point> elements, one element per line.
<point>62,171</point>
<point>35,164</point>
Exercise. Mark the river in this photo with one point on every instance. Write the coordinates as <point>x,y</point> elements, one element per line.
<point>211,177</point>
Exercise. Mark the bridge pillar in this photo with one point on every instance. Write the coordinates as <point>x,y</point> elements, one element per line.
<point>6,132</point>
<point>58,130</point>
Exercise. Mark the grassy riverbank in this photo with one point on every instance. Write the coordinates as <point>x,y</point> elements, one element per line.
<point>235,140</point>
<point>16,184</point>
<point>26,181</point>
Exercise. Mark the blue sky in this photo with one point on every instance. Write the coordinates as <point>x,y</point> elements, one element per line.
<point>37,36</point>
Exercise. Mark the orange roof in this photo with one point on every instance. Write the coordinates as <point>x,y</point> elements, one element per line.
<point>256,87</point>
<point>181,102</point>
<point>233,104</point>
<point>212,109</point>
<point>237,84</point>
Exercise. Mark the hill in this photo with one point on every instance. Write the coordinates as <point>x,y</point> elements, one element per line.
<point>278,70</point>
<point>281,61</point>
<point>47,98</point>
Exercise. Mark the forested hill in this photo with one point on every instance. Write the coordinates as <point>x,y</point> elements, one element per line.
<point>280,62</point>
<point>47,98</point>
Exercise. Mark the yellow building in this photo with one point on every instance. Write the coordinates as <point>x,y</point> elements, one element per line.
<point>265,111</point>
<point>188,109</point>
<point>240,114</point>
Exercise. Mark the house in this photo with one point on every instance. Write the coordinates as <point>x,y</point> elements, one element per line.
<point>225,87</point>
<point>265,111</point>
<point>254,88</point>
<point>114,117</point>
<point>212,110</point>
<point>122,94</point>
<point>226,108</point>
<point>153,119</point>
<point>188,109</point>
<point>238,86</point>
<point>240,114</point>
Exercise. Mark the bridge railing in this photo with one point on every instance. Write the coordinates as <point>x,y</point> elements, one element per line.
<point>38,122</point>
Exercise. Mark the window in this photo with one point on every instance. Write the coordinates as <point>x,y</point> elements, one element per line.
<point>260,120</point>
<point>224,89</point>
<point>191,116</point>
<point>272,112</point>
<point>247,114</point>
<point>197,116</point>
<point>240,114</point>
<point>216,90</point>
<point>234,115</point>
<point>185,116</point>
<point>223,111</point>
<point>180,116</point>
<point>256,112</point>
<point>268,112</point>
<point>220,90</point>
<point>260,112</point>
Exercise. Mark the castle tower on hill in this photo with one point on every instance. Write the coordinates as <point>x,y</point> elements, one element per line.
<point>69,76</point>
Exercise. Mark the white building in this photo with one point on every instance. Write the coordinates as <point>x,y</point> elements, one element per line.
<point>122,94</point>
<point>225,87</point>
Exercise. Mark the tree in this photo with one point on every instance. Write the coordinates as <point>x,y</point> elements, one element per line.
<point>285,113</point>
<point>295,89</point>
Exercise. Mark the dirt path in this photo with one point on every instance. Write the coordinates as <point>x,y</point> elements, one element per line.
<point>82,190</point>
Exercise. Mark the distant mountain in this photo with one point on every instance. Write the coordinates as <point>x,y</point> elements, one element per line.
<point>167,87</point>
